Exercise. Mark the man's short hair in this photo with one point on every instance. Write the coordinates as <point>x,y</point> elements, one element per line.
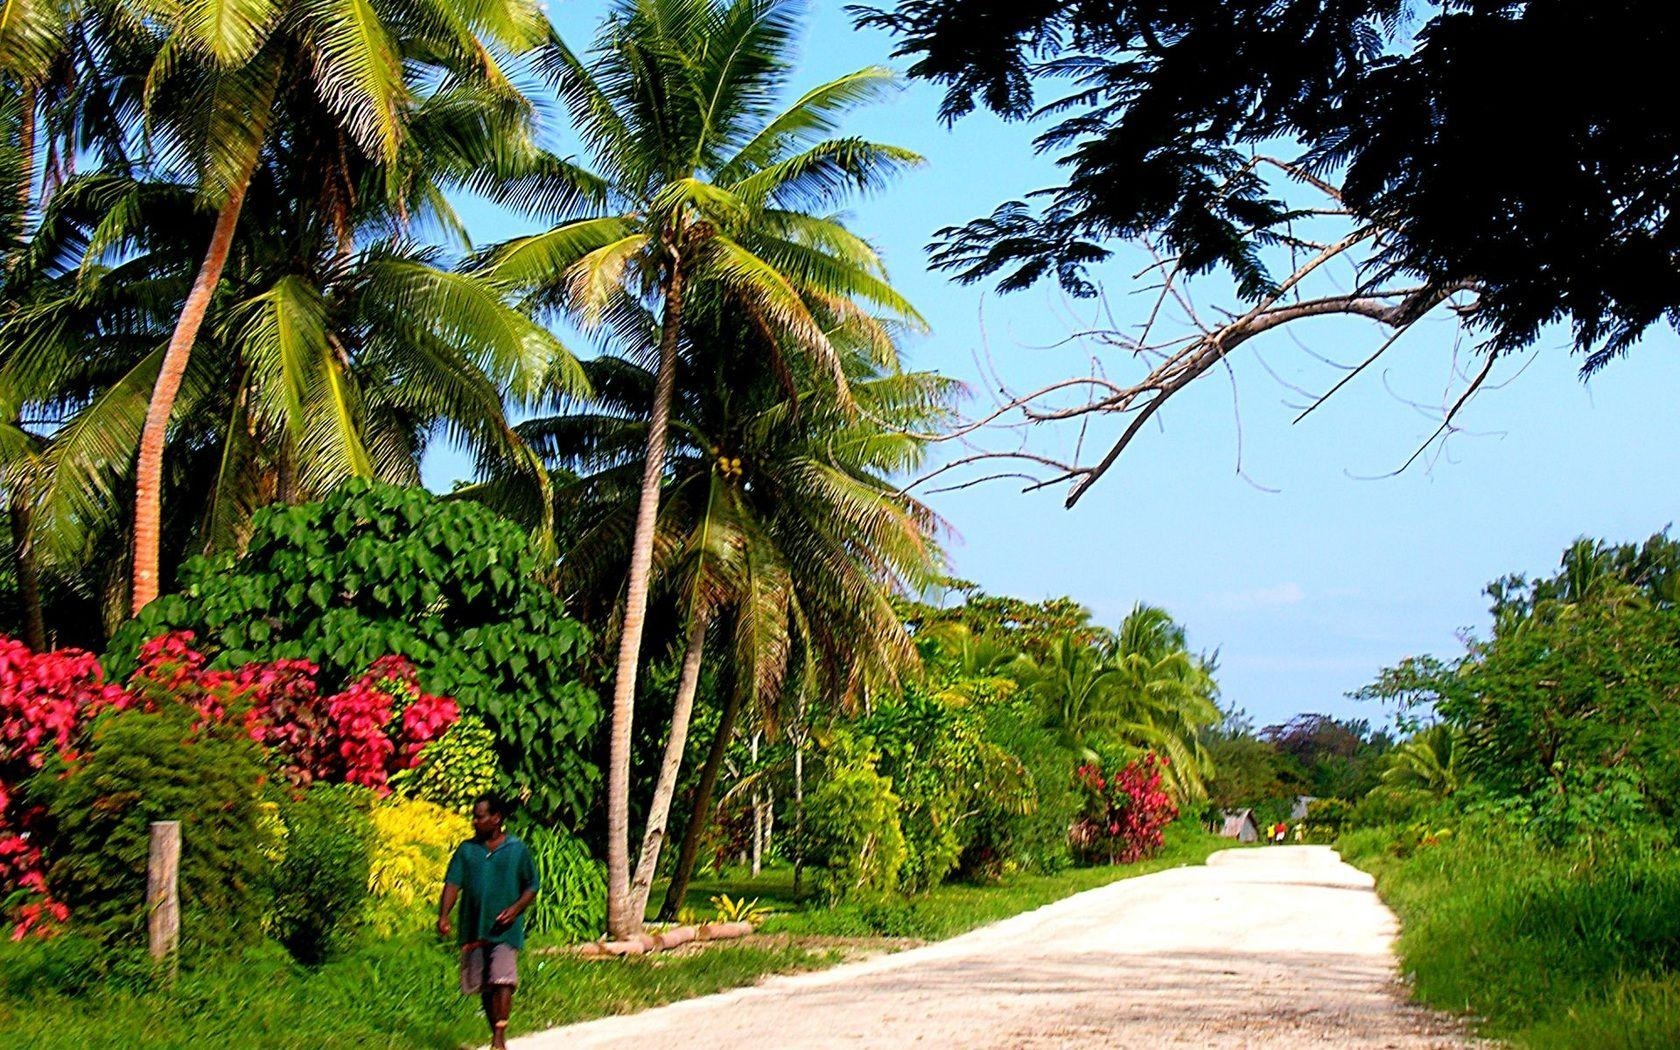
<point>496,804</point>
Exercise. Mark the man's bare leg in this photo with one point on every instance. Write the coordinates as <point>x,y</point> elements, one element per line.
<point>498,1004</point>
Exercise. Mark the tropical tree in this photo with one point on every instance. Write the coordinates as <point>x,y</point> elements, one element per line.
<point>1428,762</point>
<point>1139,688</point>
<point>333,84</point>
<point>781,538</point>
<point>705,185</point>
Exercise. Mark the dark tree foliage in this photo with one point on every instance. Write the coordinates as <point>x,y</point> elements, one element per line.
<point>1521,149</point>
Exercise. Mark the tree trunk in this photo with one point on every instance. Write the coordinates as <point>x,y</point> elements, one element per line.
<point>701,813</point>
<point>798,811</point>
<point>26,147</point>
<point>758,814</point>
<point>665,788</point>
<point>29,583</point>
<point>148,489</point>
<point>622,918</point>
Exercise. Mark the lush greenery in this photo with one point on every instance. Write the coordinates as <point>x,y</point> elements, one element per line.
<point>1526,835</point>
<point>226,346</point>
<point>374,570</point>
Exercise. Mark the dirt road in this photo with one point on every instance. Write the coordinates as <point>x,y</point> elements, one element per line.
<point>1283,946</point>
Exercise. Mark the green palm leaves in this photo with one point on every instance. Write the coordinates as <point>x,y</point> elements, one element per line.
<point>708,193</point>
<point>1140,688</point>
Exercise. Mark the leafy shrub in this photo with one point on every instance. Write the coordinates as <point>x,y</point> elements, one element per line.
<point>374,570</point>
<point>1025,829</point>
<point>69,964</point>
<point>321,885</point>
<point>572,904</point>
<point>1126,812</point>
<point>851,834</point>
<point>412,844</point>
<point>45,700</point>
<point>934,758</point>
<point>740,909</point>
<point>1326,817</point>
<point>455,769</point>
<point>138,766</point>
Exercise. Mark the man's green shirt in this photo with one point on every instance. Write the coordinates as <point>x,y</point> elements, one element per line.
<point>491,880</point>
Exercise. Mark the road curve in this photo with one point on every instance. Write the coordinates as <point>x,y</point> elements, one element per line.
<point>1284,946</point>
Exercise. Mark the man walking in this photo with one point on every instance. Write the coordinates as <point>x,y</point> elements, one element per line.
<point>495,880</point>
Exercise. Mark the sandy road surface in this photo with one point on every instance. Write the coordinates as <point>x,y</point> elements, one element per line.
<point>1284,946</point>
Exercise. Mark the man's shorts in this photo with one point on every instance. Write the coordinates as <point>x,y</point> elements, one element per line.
<point>483,964</point>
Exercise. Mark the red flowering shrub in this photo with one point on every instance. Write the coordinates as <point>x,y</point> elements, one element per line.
<point>1126,812</point>
<point>382,721</point>
<point>45,698</point>
<point>376,727</point>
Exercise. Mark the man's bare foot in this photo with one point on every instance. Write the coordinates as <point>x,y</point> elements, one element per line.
<point>498,1036</point>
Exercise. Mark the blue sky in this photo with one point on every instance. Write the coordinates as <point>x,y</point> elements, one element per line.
<point>1306,591</point>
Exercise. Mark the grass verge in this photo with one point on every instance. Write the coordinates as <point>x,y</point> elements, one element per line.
<point>401,992</point>
<point>1546,948</point>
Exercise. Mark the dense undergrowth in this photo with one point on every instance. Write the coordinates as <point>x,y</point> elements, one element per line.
<point>1544,947</point>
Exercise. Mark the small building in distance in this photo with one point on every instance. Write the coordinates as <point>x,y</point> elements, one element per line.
<point>1299,810</point>
<point>1239,825</point>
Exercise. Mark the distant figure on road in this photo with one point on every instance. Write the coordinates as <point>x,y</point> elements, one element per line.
<point>495,880</point>
<point>1280,831</point>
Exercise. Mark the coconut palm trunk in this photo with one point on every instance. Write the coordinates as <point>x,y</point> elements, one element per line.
<point>29,581</point>
<point>148,488</point>
<point>26,149</point>
<point>688,854</point>
<point>623,919</point>
<point>665,789</point>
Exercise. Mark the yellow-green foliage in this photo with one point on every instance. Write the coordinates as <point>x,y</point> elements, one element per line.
<point>413,840</point>
<point>455,769</point>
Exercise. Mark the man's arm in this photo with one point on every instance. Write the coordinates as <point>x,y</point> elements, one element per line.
<point>446,904</point>
<point>506,916</point>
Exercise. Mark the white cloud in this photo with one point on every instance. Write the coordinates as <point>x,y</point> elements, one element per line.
<point>1259,598</point>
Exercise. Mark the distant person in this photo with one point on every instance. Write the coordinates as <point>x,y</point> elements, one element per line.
<point>1280,832</point>
<point>494,878</point>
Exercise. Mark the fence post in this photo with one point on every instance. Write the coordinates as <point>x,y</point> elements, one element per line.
<point>163,898</point>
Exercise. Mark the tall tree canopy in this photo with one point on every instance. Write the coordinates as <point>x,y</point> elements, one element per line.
<point>1511,158</point>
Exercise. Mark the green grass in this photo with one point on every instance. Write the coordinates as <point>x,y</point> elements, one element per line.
<point>944,911</point>
<point>399,993</point>
<point>402,992</point>
<point>1545,949</point>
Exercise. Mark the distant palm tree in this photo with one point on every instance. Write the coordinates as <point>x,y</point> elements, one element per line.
<point>706,185</point>
<point>1139,688</point>
<point>1428,762</point>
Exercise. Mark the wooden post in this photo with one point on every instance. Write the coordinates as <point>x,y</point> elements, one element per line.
<point>163,897</point>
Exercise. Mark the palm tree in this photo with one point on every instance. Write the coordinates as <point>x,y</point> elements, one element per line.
<point>707,186</point>
<point>1139,688</point>
<point>233,75</point>
<point>780,536</point>
<point>324,356</point>
<point>1428,762</point>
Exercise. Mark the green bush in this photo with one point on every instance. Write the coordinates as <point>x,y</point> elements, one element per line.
<point>1026,830</point>
<point>851,835</point>
<point>572,904</point>
<point>321,885</point>
<point>69,964</point>
<point>136,767</point>
<point>374,570</point>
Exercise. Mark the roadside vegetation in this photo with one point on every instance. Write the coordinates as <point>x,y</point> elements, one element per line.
<point>1525,835</point>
